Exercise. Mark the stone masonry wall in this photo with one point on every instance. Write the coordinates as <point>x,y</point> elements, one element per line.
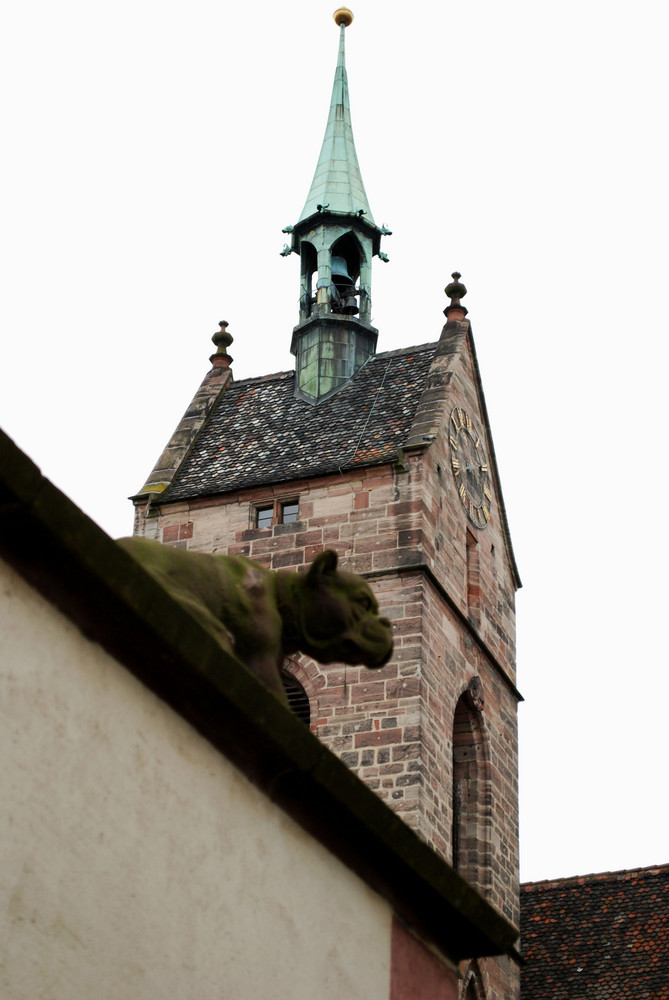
<point>371,719</point>
<point>393,726</point>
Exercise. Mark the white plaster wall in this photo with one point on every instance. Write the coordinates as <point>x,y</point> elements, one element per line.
<point>136,861</point>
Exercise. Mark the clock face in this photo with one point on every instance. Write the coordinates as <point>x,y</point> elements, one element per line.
<point>470,467</point>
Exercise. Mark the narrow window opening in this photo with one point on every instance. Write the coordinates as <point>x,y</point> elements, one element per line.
<point>473,582</point>
<point>472,988</point>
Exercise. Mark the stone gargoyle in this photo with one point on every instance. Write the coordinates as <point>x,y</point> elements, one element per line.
<point>262,616</point>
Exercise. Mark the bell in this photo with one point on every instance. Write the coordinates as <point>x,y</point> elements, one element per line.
<point>343,300</point>
<point>340,274</point>
<point>345,288</point>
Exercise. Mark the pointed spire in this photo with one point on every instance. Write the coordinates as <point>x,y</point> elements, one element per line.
<point>337,185</point>
<point>336,238</point>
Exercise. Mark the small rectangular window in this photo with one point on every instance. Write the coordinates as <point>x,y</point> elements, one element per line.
<point>277,513</point>
<point>288,512</point>
<point>264,517</point>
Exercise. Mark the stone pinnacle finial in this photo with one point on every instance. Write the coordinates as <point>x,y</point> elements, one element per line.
<point>455,291</point>
<point>342,15</point>
<point>222,339</point>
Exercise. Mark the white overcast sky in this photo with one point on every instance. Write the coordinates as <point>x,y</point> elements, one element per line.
<point>153,151</point>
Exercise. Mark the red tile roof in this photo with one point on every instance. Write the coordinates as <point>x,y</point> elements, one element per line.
<point>597,937</point>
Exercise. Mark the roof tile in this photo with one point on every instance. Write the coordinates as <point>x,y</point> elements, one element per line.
<point>597,936</point>
<point>261,433</point>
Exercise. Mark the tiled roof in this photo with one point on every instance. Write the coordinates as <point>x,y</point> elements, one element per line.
<point>597,937</point>
<point>260,433</point>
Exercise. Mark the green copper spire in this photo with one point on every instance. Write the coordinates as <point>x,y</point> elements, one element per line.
<point>337,183</point>
<point>336,239</point>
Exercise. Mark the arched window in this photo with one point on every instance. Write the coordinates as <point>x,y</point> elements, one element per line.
<point>472,985</point>
<point>471,789</point>
<point>345,264</point>
<point>309,280</point>
<point>298,701</point>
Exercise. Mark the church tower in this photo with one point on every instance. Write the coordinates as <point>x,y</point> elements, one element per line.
<point>388,459</point>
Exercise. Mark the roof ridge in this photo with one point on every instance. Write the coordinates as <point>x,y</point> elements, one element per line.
<point>396,352</point>
<point>597,876</point>
<point>262,378</point>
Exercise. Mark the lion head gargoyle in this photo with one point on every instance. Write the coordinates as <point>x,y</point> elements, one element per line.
<point>262,616</point>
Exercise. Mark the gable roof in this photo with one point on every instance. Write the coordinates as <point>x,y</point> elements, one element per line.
<point>598,936</point>
<point>259,432</point>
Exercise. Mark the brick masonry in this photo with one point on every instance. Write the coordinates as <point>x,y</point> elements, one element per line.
<point>448,589</point>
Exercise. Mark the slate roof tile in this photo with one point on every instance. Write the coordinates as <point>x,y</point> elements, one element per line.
<point>260,433</point>
<point>597,937</point>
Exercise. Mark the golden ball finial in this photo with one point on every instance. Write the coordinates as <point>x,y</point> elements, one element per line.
<point>342,15</point>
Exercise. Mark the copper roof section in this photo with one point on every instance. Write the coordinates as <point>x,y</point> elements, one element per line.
<point>337,183</point>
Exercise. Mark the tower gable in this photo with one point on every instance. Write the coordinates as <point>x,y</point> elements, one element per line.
<point>467,547</point>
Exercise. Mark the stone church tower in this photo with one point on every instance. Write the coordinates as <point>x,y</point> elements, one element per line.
<point>388,459</point>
